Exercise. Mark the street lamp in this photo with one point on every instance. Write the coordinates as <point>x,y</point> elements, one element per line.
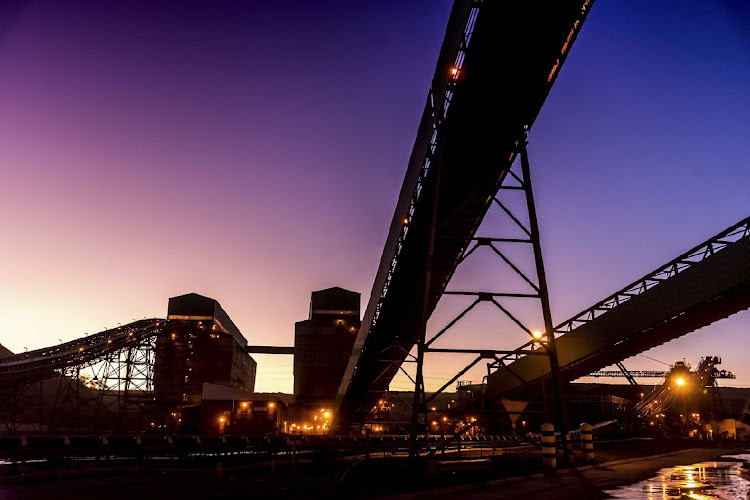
<point>683,418</point>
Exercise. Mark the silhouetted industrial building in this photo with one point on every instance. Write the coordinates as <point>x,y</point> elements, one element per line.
<point>322,346</point>
<point>225,410</point>
<point>211,350</point>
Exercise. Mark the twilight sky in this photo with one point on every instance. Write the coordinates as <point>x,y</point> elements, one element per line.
<point>253,152</point>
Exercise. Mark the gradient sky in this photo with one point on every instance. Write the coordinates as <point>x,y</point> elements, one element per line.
<point>253,152</point>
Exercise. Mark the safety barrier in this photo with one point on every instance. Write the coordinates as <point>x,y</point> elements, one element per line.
<point>548,446</point>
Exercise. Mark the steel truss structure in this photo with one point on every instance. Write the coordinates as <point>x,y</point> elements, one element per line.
<point>539,344</point>
<point>101,382</point>
<point>723,374</point>
<point>693,256</point>
<point>708,282</point>
<point>629,374</point>
<point>488,85</point>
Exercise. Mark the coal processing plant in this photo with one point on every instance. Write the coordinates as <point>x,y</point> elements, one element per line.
<point>140,377</point>
<point>181,389</point>
<point>191,373</point>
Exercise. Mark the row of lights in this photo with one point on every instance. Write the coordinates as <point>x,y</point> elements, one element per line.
<point>321,422</point>
<point>454,71</point>
<point>245,405</point>
<point>445,419</point>
<point>271,405</point>
<point>109,341</point>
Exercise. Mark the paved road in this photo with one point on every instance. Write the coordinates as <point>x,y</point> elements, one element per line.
<point>578,484</point>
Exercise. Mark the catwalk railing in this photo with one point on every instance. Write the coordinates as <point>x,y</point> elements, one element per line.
<point>708,282</point>
<point>663,273</point>
<point>81,351</point>
<point>103,381</point>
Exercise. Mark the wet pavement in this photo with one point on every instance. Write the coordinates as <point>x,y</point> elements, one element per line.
<point>704,480</point>
<point>692,473</point>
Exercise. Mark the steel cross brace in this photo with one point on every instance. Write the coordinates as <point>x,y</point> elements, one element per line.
<point>544,346</point>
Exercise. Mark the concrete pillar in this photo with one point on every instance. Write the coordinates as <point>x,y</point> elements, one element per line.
<point>548,446</point>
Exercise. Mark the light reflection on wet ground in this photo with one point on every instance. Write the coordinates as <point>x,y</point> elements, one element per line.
<point>703,480</point>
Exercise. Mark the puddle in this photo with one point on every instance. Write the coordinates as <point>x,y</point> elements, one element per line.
<point>720,479</point>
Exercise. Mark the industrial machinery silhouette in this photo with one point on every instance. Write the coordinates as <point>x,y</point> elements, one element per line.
<point>44,391</point>
<point>469,156</point>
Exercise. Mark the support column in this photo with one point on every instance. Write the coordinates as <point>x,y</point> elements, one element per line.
<point>551,347</point>
<point>419,403</point>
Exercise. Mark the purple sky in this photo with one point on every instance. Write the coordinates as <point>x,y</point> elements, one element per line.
<point>253,152</point>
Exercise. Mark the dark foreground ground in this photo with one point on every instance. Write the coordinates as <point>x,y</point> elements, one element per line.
<point>514,474</point>
<point>577,483</point>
